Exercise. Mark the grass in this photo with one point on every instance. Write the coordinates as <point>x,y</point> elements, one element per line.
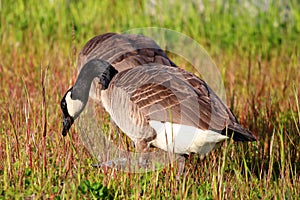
<point>255,46</point>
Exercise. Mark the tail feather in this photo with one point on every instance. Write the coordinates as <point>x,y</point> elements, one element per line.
<point>238,133</point>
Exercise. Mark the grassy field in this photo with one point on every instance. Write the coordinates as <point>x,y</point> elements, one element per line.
<point>255,46</point>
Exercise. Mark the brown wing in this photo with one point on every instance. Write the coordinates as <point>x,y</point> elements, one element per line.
<point>174,95</point>
<point>123,51</point>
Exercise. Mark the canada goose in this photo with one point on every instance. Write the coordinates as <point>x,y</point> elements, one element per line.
<point>166,107</point>
<point>122,51</point>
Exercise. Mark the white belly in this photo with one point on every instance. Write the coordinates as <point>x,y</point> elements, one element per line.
<point>184,139</point>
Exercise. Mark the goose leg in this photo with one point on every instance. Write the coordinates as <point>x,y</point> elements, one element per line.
<point>112,159</point>
<point>141,160</point>
<point>143,147</point>
<point>181,166</point>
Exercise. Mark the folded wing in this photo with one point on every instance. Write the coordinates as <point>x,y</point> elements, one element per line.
<point>173,95</point>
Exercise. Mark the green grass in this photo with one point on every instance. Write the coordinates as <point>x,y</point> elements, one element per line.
<point>256,50</point>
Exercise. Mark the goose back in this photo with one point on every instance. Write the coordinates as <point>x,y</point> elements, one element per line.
<point>122,51</point>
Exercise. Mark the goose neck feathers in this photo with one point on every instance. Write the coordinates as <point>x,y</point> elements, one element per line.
<point>95,68</point>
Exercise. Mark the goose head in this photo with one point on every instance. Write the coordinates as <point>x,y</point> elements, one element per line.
<point>71,109</point>
<point>75,99</point>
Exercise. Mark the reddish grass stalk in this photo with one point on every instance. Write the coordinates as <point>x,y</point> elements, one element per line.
<point>27,109</point>
<point>30,155</point>
<point>15,133</point>
<point>74,50</point>
<point>44,108</point>
<point>29,151</point>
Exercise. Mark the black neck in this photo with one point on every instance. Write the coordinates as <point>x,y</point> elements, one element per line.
<point>94,68</point>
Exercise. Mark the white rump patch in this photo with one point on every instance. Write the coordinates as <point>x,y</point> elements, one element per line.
<point>184,139</point>
<point>73,106</point>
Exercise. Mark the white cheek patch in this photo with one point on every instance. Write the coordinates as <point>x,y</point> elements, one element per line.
<point>73,106</point>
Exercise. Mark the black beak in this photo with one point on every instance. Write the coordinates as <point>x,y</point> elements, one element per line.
<point>67,123</point>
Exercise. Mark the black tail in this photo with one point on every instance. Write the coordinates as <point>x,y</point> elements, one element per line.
<point>238,133</point>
